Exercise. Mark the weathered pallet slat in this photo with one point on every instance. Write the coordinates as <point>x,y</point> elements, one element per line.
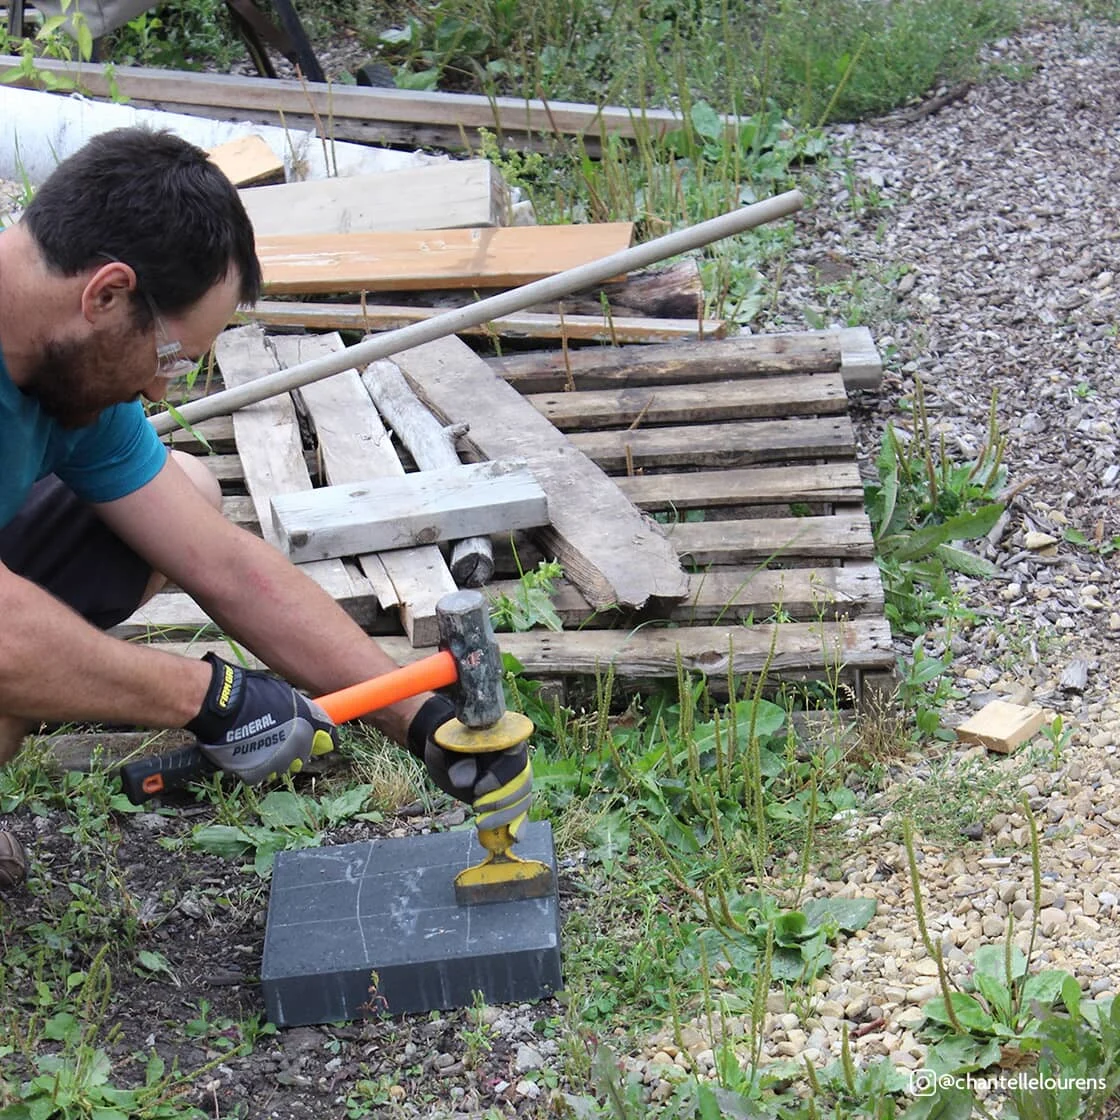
<point>641,406</point>
<point>379,515</point>
<point>850,351</point>
<point>840,536</point>
<point>272,452</point>
<point>746,486</point>
<point>734,444</point>
<point>618,329</point>
<point>788,647</point>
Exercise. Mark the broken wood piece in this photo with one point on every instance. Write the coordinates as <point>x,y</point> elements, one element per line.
<point>455,258</point>
<point>443,195</point>
<point>420,508</point>
<point>1001,726</point>
<point>672,291</point>
<point>249,159</point>
<point>353,445</point>
<point>608,549</point>
<point>616,329</point>
<point>431,445</point>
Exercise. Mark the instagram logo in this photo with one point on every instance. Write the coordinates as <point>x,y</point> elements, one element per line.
<point>923,1082</point>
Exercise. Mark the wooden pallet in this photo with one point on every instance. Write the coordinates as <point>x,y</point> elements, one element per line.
<point>739,449</point>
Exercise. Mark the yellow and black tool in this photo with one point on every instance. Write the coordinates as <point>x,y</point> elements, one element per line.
<point>484,725</point>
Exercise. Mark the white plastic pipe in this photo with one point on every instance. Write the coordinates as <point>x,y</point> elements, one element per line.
<point>516,299</point>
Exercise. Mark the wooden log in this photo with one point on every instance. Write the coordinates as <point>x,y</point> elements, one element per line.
<point>371,115</point>
<point>608,549</point>
<point>672,291</point>
<point>354,445</point>
<point>247,160</point>
<point>848,351</point>
<point>369,316</point>
<point>421,508</point>
<point>457,258</point>
<point>444,195</point>
<point>431,446</point>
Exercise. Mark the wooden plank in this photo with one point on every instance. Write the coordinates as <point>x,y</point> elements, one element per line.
<point>608,549</point>
<point>1002,726</point>
<point>247,160</point>
<point>444,195</point>
<point>271,450</point>
<point>455,258</point>
<point>811,483</point>
<point>473,499</point>
<point>838,536</point>
<point>734,444</point>
<point>353,445</point>
<point>849,351</point>
<point>447,120</point>
<point>175,614</point>
<point>522,324</point>
<point>732,594</point>
<point>784,395</point>
<point>786,648</point>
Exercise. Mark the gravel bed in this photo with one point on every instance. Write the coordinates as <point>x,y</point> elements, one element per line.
<point>988,262</point>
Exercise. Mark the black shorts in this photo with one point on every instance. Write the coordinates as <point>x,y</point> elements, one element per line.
<point>58,542</point>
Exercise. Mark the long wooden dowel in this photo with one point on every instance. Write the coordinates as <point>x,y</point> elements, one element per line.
<point>551,287</point>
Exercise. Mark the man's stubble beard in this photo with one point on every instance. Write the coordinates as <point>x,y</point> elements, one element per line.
<point>72,380</point>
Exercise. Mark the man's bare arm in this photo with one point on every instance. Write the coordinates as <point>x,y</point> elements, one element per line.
<point>252,591</point>
<point>56,666</point>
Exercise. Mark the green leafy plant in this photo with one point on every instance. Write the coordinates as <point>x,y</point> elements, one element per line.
<point>747,925</point>
<point>530,604</point>
<point>922,503</point>
<point>288,821</point>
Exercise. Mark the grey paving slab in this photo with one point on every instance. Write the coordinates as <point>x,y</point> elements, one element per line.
<point>374,926</point>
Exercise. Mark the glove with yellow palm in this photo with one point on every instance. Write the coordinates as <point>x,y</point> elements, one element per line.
<point>256,726</point>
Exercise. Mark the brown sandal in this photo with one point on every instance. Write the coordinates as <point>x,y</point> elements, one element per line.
<point>13,861</point>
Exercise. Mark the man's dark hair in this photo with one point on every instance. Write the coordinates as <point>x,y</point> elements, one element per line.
<point>155,202</point>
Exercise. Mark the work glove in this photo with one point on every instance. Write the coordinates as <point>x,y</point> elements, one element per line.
<point>498,785</point>
<point>256,726</point>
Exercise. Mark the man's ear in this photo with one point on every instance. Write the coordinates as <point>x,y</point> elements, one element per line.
<point>107,296</point>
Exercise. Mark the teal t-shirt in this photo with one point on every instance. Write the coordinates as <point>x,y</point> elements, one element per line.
<point>110,458</point>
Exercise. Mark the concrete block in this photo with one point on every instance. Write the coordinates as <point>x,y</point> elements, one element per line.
<point>374,927</point>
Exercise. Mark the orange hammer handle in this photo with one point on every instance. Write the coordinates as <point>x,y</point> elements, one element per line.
<point>425,675</point>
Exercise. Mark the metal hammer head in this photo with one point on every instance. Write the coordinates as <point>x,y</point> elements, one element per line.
<point>465,630</point>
